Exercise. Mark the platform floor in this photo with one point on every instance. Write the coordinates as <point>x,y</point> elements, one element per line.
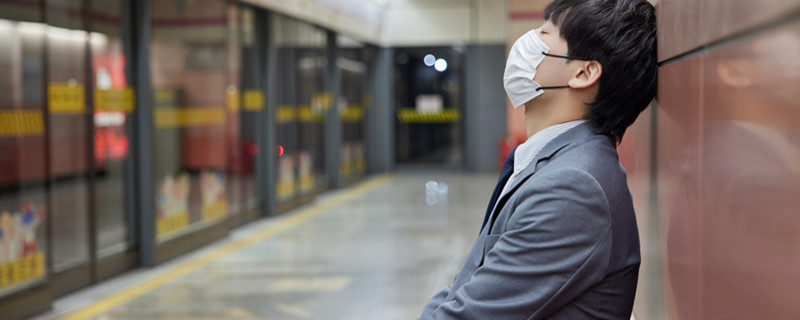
<point>377,250</point>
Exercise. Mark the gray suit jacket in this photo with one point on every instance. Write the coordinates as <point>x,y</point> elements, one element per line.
<point>561,244</point>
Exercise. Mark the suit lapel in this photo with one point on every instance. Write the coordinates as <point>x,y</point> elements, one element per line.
<point>578,133</point>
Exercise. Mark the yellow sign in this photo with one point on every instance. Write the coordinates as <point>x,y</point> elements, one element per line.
<point>286,177</point>
<point>409,115</point>
<point>215,211</point>
<point>114,100</point>
<point>212,190</point>
<point>66,98</point>
<point>15,123</point>
<point>361,165</point>
<point>306,183</point>
<point>189,117</point>
<point>285,114</point>
<point>285,189</point>
<point>253,100</point>
<point>352,114</point>
<point>172,223</point>
<point>232,98</point>
<point>344,168</point>
<point>322,100</point>
<point>22,270</point>
<point>306,114</point>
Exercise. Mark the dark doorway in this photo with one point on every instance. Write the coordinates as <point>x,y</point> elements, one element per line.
<point>429,102</point>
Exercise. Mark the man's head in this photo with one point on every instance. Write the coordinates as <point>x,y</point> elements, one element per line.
<point>612,64</point>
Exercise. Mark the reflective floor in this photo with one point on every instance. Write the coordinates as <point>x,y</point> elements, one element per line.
<point>377,250</point>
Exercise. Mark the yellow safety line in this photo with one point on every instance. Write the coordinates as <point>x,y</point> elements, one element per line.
<point>128,294</point>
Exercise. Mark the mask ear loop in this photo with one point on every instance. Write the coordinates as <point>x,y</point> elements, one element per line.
<point>553,87</point>
<point>562,57</point>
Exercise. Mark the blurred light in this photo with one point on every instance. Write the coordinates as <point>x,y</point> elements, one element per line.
<point>56,33</point>
<point>443,188</point>
<point>431,200</point>
<point>431,187</point>
<point>280,150</point>
<point>109,119</point>
<point>350,65</point>
<point>98,39</point>
<point>103,78</point>
<point>435,192</point>
<point>429,60</point>
<point>441,65</point>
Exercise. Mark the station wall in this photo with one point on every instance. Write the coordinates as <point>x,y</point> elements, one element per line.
<point>714,164</point>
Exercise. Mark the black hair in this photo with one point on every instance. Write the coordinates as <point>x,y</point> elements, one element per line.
<point>621,36</point>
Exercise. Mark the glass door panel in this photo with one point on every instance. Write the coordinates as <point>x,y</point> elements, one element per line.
<point>252,105</point>
<point>68,134</point>
<point>234,168</point>
<point>113,107</point>
<point>352,70</point>
<point>313,105</point>
<point>192,87</point>
<point>23,153</point>
<point>286,113</point>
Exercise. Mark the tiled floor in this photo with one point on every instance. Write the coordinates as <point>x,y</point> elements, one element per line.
<point>377,250</point>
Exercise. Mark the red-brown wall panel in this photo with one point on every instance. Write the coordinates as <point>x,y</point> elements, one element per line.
<point>751,178</point>
<point>68,145</point>
<point>679,175</point>
<point>685,25</point>
<point>678,25</point>
<point>727,162</point>
<point>22,160</point>
<point>720,19</point>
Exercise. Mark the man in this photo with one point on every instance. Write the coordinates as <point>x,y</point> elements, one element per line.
<point>559,240</point>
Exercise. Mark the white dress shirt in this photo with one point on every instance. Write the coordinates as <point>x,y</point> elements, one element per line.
<point>527,151</point>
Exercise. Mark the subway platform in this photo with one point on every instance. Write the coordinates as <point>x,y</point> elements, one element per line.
<point>333,159</point>
<point>377,250</point>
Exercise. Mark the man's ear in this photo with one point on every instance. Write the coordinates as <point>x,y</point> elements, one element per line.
<point>735,72</point>
<point>587,75</point>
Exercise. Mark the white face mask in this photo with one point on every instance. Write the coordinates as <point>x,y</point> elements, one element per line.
<point>526,54</point>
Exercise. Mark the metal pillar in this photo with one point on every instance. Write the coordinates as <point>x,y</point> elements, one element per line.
<point>381,115</point>
<point>266,119</point>
<point>143,126</point>
<point>333,126</point>
<point>484,107</point>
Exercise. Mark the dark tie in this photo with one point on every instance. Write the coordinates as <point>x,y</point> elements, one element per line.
<point>505,173</point>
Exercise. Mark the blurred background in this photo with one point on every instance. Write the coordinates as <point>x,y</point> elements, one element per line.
<point>133,132</point>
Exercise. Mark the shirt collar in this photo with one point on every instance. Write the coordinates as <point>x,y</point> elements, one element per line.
<point>527,151</point>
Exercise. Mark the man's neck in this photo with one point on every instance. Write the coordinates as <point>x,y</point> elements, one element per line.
<point>538,118</point>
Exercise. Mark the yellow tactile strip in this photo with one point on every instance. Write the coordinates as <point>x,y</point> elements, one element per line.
<point>125,295</point>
